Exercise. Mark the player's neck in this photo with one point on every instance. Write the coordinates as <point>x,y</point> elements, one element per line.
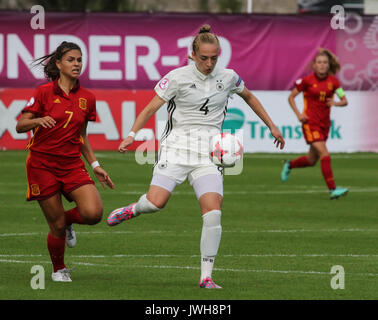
<point>66,84</point>
<point>321,76</point>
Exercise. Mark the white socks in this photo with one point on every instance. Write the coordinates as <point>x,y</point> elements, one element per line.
<point>210,240</point>
<point>144,206</point>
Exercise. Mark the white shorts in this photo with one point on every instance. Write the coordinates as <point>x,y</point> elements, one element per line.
<point>183,157</point>
<point>179,173</point>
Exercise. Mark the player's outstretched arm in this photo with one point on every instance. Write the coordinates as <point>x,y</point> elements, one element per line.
<point>257,108</point>
<point>141,120</point>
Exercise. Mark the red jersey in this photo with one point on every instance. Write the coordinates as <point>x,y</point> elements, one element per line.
<point>70,113</point>
<point>316,92</point>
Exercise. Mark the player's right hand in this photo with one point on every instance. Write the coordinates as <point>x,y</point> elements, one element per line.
<point>46,122</point>
<point>125,143</point>
<point>303,118</point>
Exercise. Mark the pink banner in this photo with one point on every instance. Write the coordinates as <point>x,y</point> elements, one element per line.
<point>133,51</point>
<point>357,48</point>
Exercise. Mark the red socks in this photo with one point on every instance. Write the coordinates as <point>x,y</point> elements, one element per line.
<point>325,164</point>
<point>56,248</point>
<point>299,163</point>
<point>73,216</point>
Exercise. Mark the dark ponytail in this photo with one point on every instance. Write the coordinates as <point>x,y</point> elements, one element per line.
<point>50,69</point>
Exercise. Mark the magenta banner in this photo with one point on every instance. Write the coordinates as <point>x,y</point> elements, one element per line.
<point>133,51</point>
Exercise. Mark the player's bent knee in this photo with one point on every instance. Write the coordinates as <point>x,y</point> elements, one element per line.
<point>94,219</point>
<point>92,216</point>
<point>146,206</point>
<point>312,162</point>
<point>156,204</point>
<point>58,228</point>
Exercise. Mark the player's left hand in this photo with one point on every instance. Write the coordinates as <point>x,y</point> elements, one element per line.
<point>330,102</point>
<point>279,140</point>
<point>103,177</point>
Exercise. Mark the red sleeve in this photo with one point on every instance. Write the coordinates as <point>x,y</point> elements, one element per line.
<point>301,84</point>
<point>91,115</point>
<point>35,104</point>
<point>336,83</point>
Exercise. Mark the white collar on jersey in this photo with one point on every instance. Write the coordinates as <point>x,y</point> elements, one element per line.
<point>202,76</point>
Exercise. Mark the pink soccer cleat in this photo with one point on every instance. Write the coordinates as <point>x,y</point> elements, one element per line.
<point>208,283</point>
<point>121,214</point>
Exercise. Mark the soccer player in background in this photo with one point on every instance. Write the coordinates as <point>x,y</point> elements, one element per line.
<point>197,98</point>
<point>318,92</point>
<point>58,114</point>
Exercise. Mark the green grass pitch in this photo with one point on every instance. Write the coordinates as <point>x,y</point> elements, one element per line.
<point>279,241</point>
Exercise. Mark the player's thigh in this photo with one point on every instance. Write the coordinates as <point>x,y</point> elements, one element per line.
<point>166,177</point>
<point>207,184</point>
<point>42,182</point>
<point>53,210</point>
<point>88,201</point>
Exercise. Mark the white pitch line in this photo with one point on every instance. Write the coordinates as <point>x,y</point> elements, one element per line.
<point>195,268</point>
<point>19,234</point>
<point>239,192</point>
<point>268,255</point>
<point>252,192</point>
<point>21,255</point>
<point>301,230</point>
<point>49,262</point>
<point>23,261</point>
<point>163,232</point>
<point>255,271</point>
<point>315,255</point>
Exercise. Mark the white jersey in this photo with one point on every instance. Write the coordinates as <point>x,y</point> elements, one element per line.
<point>197,105</point>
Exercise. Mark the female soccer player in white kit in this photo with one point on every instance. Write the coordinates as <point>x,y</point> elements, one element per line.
<point>197,97</point>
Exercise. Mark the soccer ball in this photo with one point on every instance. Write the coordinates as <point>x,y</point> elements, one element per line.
<point>225,150</point>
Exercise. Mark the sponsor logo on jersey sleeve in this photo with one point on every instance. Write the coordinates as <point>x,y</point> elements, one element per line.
<point>163,84</point>
<point>31,102</point>
<point>298,82</point>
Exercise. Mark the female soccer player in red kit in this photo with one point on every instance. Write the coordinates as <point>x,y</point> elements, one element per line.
<point>58,114</point>
<point>318,91</point>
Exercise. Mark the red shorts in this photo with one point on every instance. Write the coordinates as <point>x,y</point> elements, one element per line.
<point>313,133</point>
<point>48,175</point>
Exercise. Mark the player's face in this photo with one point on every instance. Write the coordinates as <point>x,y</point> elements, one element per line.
<point>71,64</point>
<point>321,65</point>
<point>206,57</point>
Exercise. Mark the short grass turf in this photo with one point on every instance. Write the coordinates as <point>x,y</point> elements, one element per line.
<point>279,240</point>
